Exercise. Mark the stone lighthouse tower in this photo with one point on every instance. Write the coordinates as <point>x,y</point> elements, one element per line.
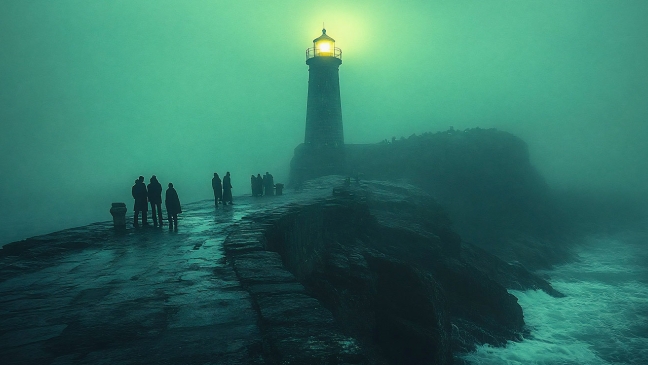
<point>324,109</point>
<point>322,152</point>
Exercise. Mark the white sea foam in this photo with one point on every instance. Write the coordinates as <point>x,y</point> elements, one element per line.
<point>602,320</point>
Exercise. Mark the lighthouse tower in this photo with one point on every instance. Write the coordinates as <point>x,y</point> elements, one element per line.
<point>322,152</point>
<point>324,108</point>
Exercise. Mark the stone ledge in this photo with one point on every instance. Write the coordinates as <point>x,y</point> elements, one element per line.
<point>296,328</point>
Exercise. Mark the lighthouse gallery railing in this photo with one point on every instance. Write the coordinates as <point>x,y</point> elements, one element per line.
<point>315,52</point>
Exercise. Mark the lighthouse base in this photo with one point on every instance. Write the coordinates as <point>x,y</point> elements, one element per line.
<point>310,162</point>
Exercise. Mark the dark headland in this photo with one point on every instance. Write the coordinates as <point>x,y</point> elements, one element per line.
<point>410,264</point>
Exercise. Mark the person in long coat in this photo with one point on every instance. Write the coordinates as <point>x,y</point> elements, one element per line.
<point>268,184</point>
<point>218,189</point>
<point>259,185</point>
<point>155,198</point>
<point>173,208</point>
<point>227,189</point>
<point>141,205</point>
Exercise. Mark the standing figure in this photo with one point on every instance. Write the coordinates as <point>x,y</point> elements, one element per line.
<point>173,208</point>
<point>141,204</point>
<point>218,189</point>
<point>253,185</point>
<point>271,184</point>
<point>259,185</point>
<point>262,183</point>
<point>155,198</point>
<point>227,189</point>
<point>268,184</point>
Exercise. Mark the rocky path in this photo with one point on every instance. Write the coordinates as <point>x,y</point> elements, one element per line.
<point>208,293</point>
<point>90,296</point>
<point>219,290</point>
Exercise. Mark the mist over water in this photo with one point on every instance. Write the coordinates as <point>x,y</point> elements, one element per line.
<point>96,93</point>
<point>603,320</point>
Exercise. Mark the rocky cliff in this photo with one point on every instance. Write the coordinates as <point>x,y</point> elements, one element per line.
<point>383,258</point>
<point>373,270</point>
<point>337,273</point>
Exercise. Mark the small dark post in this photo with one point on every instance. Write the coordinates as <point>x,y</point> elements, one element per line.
<point>118,211</point>
<point>279,188</point>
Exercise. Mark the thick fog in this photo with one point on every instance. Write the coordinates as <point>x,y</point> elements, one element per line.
<point>95,93</point>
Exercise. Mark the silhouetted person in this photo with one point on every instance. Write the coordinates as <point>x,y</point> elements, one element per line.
<point>268,182</point>
<point>262,182</point>
<point>217,185</point>
<point>173,208</point>
<point>155,198</point>
<point>259,185</point>
<point>141,205</point>
<point>227,189</point>
<point>257,191</point>
<point>253,185</point>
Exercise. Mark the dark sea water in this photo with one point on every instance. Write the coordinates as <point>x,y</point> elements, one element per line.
<point>603,320</point>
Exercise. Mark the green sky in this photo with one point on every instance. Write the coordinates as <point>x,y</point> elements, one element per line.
<point>96,93</point>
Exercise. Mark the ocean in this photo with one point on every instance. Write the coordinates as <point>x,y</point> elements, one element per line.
<point>603,320</point>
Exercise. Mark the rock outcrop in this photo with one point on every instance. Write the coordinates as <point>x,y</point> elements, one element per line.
<point>371,273</point>
<point>483,177</point>
<point>383,258</point>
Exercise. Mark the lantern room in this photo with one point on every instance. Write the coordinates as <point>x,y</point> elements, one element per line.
<point>324,46</point>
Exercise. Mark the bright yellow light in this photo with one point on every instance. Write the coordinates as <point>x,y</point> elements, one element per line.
<point>325,47</point>
<point>348,22</point>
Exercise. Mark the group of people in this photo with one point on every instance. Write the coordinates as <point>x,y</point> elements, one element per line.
<point>260,183</point>
<point>152,193</point>
<point>222,189</point>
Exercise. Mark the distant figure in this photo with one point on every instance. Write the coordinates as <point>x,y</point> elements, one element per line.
<point>259,185</point>
<point>253,185</point>
<point>218,189</point>
<point>141,204</point>
<point>227,189</point>
<point>155,198</point>
<point>268,182</point>
<point>173,208</point>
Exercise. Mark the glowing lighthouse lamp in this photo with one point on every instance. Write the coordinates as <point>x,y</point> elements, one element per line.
<point>324,46</point>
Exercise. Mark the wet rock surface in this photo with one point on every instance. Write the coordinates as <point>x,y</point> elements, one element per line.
<point>383,257</point>
<point>371,274</point>
<point>91,295</point>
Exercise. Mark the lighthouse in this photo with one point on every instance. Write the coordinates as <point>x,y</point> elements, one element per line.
<point>322,152</point>
<point>324,107</point>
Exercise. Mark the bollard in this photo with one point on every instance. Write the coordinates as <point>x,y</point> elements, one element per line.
<point>118,211</point>
<point>279,188</point>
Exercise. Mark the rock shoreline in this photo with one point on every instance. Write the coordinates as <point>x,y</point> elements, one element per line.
<point>392,282</point>
<point>363,274</point>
